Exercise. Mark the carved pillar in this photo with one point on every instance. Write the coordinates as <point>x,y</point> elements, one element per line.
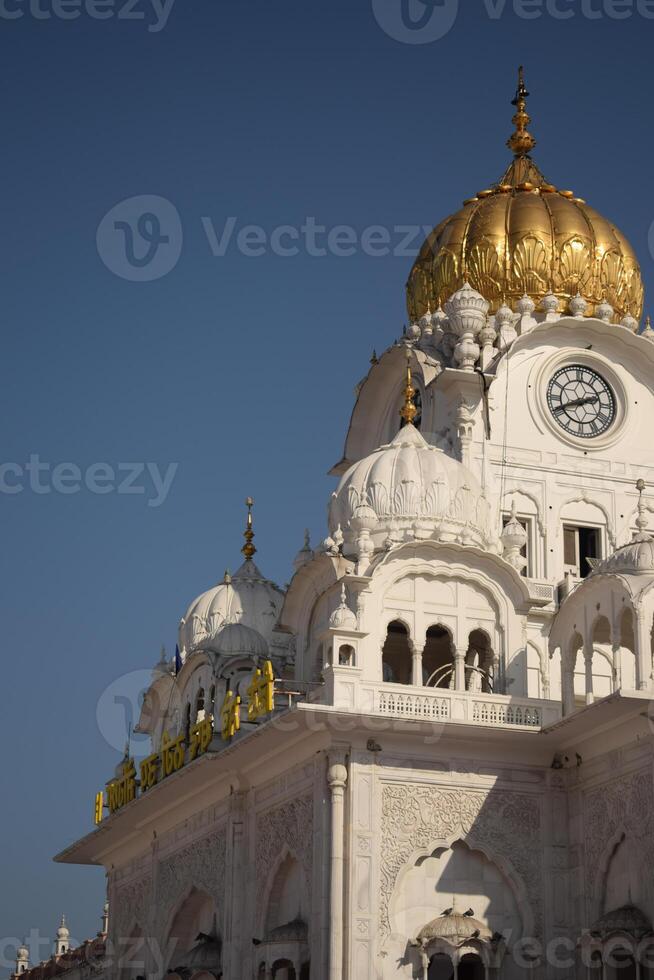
<point>616,652</point>
<point>588,665</point>
<point>236,860</point>
<point>464,424</point>
<point>337,779</point>
<point>460,669</point>
<point>568,685</point>
<point>416,667</point>
<point>643,648</point>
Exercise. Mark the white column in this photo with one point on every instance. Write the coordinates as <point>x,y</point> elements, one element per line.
<point>568,685</point>
<point>588,664</point>
<point>643,649</point>
<point>460,669</point>
<point>416,672</point>
<point>337,779</point>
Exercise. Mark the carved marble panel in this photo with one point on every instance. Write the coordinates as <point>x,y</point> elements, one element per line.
<point>289,825</point>
<point>200,864</point>
<point>506,825</point>
<point>625,806</point>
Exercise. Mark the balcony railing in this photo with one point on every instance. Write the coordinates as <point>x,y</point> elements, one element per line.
<point>346,689</point>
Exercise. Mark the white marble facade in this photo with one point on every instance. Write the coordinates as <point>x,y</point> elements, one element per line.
<point>457,779</point>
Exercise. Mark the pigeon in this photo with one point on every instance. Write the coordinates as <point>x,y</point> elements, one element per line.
<point>469,912</point>
<point>447,912</point>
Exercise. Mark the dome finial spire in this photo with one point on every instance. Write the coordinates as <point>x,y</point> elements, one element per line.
<point>408,411</point>
<point>248,548</point>
<point>521,142</point>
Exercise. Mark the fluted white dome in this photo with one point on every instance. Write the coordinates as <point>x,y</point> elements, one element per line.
<point>633,558</point>
<point>237,640</point>
<point>245,597</point>
<point>410,489</point>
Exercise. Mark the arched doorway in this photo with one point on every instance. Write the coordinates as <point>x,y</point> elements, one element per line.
<point>620,965</point>
<point>397,657</point>
<point>438,657</point>
<point>471,967</point>
<point>440,968</point>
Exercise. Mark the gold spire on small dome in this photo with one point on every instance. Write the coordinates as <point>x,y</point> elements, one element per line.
<point>248,548</point>
<point>521,142</point>
<point>408,411</point>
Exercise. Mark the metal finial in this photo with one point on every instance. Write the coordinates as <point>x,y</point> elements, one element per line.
<point>408,411</point>
<point>248,548</point>
<point>521,142</point>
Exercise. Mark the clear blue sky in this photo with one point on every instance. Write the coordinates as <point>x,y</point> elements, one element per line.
<point>239,369</point>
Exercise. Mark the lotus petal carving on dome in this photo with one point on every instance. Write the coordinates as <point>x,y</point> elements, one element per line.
<point>378,497</point>
<point>531,267</point>
<point>485,268</point>
<point>575,266</point>
<point>406,499</point>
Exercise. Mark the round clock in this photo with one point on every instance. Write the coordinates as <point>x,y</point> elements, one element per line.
<point>581,401</point>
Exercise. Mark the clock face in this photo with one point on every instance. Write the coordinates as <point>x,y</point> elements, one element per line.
<point>581,401</point>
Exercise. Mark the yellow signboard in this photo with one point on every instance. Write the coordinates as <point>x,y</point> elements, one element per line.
<point>261,693</point>
<point>175,752</point>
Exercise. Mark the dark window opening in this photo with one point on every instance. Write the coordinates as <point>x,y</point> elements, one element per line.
<point>581,549</point>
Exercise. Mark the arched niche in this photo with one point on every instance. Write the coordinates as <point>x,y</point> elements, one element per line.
<point>466,875</point>
<point>196,913</point>
<point>286,898</point>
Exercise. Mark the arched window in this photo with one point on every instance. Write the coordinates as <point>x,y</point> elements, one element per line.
<point>397,661</point>
<point>187,721</point>
<point>438,658</point>
<point>212,699</point>
<point>479,662</point>
<point>199,704</point>
<point>346,655</point>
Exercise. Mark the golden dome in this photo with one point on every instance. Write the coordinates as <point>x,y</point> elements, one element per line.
<point>523,235</point>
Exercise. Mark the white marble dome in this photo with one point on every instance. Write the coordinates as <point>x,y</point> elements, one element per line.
<point>245,597</point>
<point>410,489</point>
<point>633,558</point>
<point>238,640</point>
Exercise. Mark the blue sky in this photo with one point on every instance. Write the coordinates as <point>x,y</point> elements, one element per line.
<point>236,370</point>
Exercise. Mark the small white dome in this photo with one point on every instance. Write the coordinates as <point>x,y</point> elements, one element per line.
<point>632,558</point>
<point>237,640</point>
<point>411,489</point>
<point>245,597</point>
<point>63,931</point>
<point>343,618</point>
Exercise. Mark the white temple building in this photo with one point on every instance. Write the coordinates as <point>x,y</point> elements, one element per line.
<point>455,775</point>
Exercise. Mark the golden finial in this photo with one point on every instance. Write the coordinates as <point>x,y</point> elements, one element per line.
<point>521,142</point>
<point>248,548</point>
<point>408,411</point>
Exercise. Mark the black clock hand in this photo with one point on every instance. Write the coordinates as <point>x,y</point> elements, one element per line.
<point>575,402</point>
